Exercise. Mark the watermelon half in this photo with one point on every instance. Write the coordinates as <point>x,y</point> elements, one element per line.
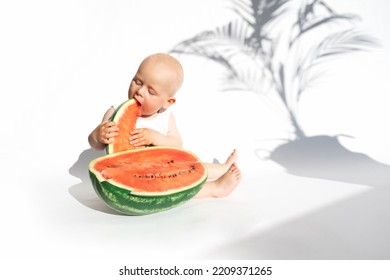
<point>147,180</point>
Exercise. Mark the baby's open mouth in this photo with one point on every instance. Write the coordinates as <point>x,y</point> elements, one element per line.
<point>138,103</point>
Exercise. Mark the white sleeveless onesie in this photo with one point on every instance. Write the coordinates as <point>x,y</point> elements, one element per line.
<point>159,123</point>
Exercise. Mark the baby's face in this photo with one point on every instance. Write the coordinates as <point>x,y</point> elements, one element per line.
<point>153,87</point>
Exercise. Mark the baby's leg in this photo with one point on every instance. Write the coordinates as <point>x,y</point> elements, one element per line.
<point>216,170</point>
<point>223,186</point>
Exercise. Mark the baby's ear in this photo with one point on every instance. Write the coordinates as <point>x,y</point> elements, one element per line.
<point>169,102</point>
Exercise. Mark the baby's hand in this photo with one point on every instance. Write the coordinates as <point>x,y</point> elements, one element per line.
<point>106,132</point>
<point>142,137</point>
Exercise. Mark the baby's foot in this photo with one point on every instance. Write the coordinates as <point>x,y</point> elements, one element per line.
<point>228,181</point>
<point>232,158</point>
<point>229,161</point>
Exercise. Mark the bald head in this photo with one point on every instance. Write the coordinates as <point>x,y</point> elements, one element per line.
<point>169,65</point>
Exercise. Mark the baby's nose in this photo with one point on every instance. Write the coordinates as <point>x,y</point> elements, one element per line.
<point>141,91</point>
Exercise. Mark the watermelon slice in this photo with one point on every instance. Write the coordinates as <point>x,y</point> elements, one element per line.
<point>125,116</point>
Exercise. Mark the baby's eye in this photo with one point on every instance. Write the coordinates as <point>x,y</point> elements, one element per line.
<point>137,82</point>
<point>152,92</point>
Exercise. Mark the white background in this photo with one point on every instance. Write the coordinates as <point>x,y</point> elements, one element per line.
<point>63,63</point>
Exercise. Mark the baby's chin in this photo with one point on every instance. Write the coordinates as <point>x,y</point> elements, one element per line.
<point>148,114</point>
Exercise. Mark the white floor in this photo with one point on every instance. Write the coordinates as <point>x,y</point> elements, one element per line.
<point>271,215</point>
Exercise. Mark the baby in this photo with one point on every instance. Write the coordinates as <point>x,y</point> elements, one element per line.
<point>154,86</point>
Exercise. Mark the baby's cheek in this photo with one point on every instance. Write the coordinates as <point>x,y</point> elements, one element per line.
<point>131,92</point>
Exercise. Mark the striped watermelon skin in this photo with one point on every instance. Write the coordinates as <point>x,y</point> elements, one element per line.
<point>129,202</point>
<point>125,202</point>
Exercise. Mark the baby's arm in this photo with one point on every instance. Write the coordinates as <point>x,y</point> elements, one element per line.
<point>104,133</point>
<point>141,137</point>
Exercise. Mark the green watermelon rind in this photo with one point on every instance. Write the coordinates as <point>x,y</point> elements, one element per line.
<point>114,117</point>
<point>129,202</point>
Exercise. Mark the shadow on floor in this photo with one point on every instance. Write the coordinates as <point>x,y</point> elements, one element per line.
<point>325,158</point>
<point>84,191</point>
<point>356,228</point>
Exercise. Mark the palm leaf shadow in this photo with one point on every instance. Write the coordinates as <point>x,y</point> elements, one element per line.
<point>285,69</point>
